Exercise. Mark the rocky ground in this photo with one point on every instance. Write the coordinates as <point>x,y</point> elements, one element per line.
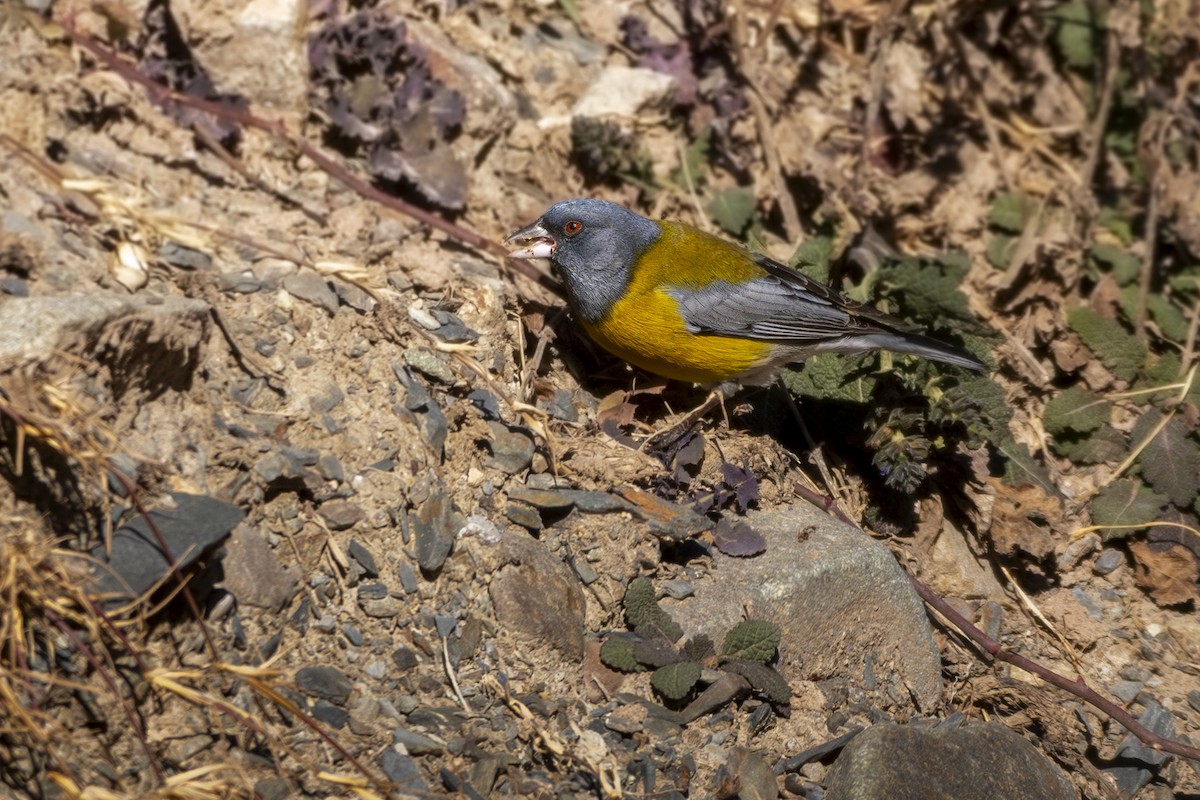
<point>418,541</point>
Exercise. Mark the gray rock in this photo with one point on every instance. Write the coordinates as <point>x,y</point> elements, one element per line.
<point>330,468</point>
<point>313,288</point>
<point>512,449</point>
<point>14,285</point>
<point>415,743</point>
<point>382,608</point>
<point>524,516</point>
<point>341,515</point>
<point>184,257</point>
<point>1126,691</point>
<point>839,597</point>
<point>406,658</point>
<point>679,588</point>
<point>152,345</point>
<point>402,771</point>
<point>330,714</point>
<point>354,296</point>
<point>272,789</point>
<point>1136,763</point>
<point>193,527</point>
<point>1108,561</point>
<point>329,398</point>
<point>326,682</point>
<point>418,400</point>
<point>364,557</point>
<point>981,761</point>
<point>353,635</point>
<point>428,364</point>
<point>542,499</point>
<point>253,573</point>
<point>239,283</point>
<point>18,225</point>
<point>408,578</point>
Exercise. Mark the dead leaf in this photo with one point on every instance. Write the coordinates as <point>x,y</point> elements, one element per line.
<point>616,409</point>
<point>1024,518</point>
<point>1169,574</point>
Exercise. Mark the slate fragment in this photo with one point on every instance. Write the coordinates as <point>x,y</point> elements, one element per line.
<point>325,682</point>
<point>435,524</point>
<point>417,399</point>
<point>191,529</point>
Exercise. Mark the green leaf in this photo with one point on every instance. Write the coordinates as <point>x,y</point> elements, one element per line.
<point>752,640</point>
<point>1000,250</point>
<point>1186,281</point>
<point>1076,35</point>
<point>1011,212</point>
<point>1123,265</point>
<point>1168,317</point>
<point>929,289</point>
<point>1100,447</point>
<point>699,648</point>
<point>1171,461</point>
<point>813,257</point>
<point>763,679</point>
<point>571,9</point>
<point>1075,410</point>
<point>617,652</point>
<point>1126,502</point>
<point>1119,350</point>
<point>1164,370</point>
<point>830,377</point>
<point>674,681</point>
<point>642,610</point>
<point>1117,224</point>
<point>732,209</point>
<point>694,159</point>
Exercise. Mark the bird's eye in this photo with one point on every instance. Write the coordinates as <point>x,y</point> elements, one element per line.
<point>573,227</point>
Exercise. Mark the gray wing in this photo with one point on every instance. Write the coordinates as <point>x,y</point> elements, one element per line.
<point>790,309</point>
<point>781,306</point>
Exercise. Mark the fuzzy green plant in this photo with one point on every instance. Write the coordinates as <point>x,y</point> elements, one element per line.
<point>651,644</point>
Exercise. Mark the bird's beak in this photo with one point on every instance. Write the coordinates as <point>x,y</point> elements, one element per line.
<point>533,241</point>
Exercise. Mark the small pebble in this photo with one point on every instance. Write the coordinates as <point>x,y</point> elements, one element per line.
<point>1089,605</point>
<point>353,635</point>
<point>423,318</point>
<point>1108,561</point>
<point>1126,691</point>
<point>14,285</point>
<point>364,557</point>
<point>330,714</point>
<point>679,588</point>
<point>425,362</point>
<point>326,682</point>
<point>408,578</point>
<point>415,743</point>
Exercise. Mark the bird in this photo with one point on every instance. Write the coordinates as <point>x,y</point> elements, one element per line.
<point>687,305</point>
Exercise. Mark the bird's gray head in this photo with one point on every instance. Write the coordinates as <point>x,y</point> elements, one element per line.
<point>594,243</point>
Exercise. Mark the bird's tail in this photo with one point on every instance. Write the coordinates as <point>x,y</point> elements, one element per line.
<point>918,345</point>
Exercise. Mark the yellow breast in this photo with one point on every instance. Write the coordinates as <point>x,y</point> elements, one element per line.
<point>645,327</point>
